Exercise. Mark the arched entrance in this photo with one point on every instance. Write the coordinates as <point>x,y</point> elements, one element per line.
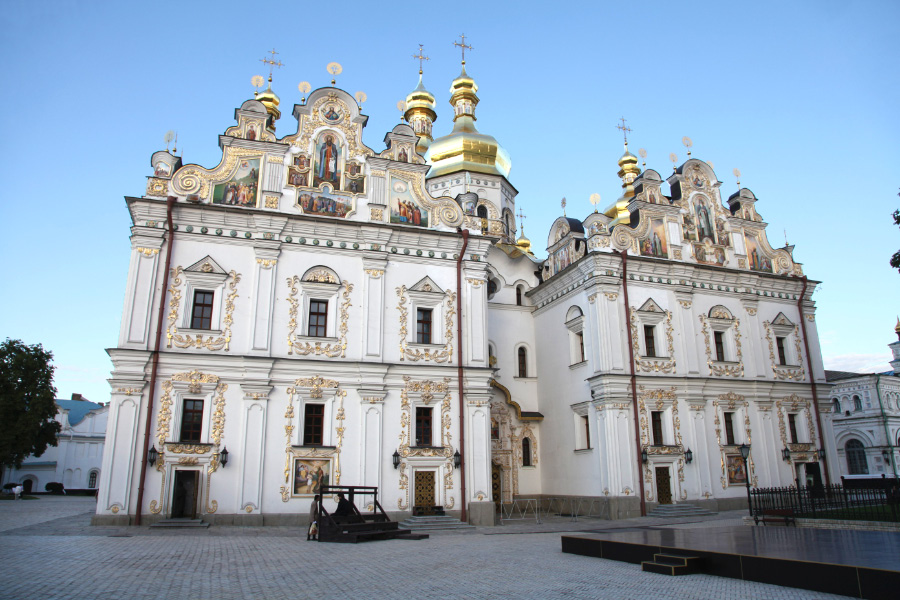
<point>27,485</point>
<point>496,485</point>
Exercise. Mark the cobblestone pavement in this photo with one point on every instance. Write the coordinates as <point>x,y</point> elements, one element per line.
<point>50,550</point>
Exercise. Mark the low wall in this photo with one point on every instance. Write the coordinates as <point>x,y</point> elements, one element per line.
<point>837,524</point>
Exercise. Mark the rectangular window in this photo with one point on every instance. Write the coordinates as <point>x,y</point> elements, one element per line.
<point>779,342</point>
<point>720,345</point>
<point>792,424</point>
<point>581,345</point>
<point>649,341</point>
<point>201,316</point>
<point>729,428</point>
<point>423,426</point>
<point>318,318</point>
<point>191,420</point>
<point>313,420</point>
<point>423,326</point>
<point>656,422</point>
<point>587,432</point>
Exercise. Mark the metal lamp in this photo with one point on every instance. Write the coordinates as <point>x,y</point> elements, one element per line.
<point>745,451</point>
<point>152,455</point>
<point>396,458</point>
<point>688,456</point>
<point>223,457</point>
<point>786,454</point>
<point>745,454</point>
<point>644,457</point>
<point>457,459</point>
<point>821,454</point>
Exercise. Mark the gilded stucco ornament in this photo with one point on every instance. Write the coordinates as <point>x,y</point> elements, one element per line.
<point>211,343</point>
<point>442,355</point>
<point>157,187</point>
<point>194,179</point>
<point>732,401</point>
<point>720,369</point>
<point>785,372</point>
<point>306,348</point>
<point>653,364</point>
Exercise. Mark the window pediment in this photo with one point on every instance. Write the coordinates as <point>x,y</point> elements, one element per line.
<point>427,285</point>
<point>207,265</point>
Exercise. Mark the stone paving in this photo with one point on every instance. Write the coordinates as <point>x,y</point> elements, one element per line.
<point>50,550</point>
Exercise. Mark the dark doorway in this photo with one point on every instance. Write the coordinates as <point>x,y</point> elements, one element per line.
<point>496,486</point>
<point>26,485</point>
<point>813,475</point>
<point>184,494</point>
<point>663,485</point>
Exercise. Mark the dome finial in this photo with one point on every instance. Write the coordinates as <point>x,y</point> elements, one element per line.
<point>269,98</point>
<point>421,56</point>
<point>523,242</point>
<point>628,164</point>
<point>462,45</point>
<point>419,109</point>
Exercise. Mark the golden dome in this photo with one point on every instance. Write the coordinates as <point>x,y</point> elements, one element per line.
<point>420,114</point>
<point>270,100</point>
<point>628,172</point>
<point>524,243</point>
<point>897,328</point>
<point>465,149</point>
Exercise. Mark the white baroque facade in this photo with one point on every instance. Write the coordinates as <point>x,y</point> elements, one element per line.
<point>329,313</point>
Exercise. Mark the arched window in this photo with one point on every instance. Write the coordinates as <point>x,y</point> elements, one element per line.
<point>481,211</point>
<point>526,452</point>
<point>856,458</point>
<point>835,406</point>
<point>857,403</point>
<point>92,480</point>
<point>518,295</point>
<point>523,362</point>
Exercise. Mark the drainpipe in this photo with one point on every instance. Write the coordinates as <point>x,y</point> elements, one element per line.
<point>884,422</point>
<point>170,204</point>
<point>812,378</point>
<point>459,375</point>
<point>634,402</point>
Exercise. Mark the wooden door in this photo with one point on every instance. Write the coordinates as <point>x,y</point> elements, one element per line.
<point>424,486</point>
<point>663,485</point>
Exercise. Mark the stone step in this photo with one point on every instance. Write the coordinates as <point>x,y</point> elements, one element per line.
<point>433,519</point>
<point>180,523</point>
<point>434,523</point>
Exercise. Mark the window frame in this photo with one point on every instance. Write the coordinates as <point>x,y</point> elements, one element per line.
<point>526,452</point>
<point>310,427</point>
<point>424,423</point>
<point>780,350</point>
<point>728,420</point>
<point>522,362</point>
<point>423,336</point>
<point>656,428</point>
<point>792,428</point>
<point>318,314</point>
<point>199,420</point>
<point>202,317</point>
<point>857,461</point>
<point>649,339</point>
<point>719,343</point>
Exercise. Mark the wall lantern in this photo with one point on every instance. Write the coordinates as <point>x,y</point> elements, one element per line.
<point>223,457</point>
<point>745,453</point>
<point>886,455</point>
<point>396,458</point>
<point>688,456</point>
<point>821,454</point>
<point>644,457</point>
<point>152,454</point>
<point>457,459</point>
<point>786,454</point>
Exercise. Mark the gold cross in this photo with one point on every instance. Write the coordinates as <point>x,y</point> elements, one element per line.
<point>563,204</point>
<point>522,218</point>
<point>421,57</point>
<point>271,62</point>
<point>463,46</point>
<point>625,130</point>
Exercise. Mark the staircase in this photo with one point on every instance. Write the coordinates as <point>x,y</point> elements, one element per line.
<point>672,564</point>
<point>180,524</point>
<point>435,522</point>
<point>673,511</point>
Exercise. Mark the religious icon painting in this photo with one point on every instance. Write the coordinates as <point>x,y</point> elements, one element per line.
<point>724,237</point>
<point>405,210</point>
<point>655,242</point>
<point>652,196</point>
<point>301,162</point>
<point>756,260</point>
<point>689,227</point>
<point>310,475</point>
<point>252,132</point>
<point>331,112</point>
<point>162,169</point>
<point>709,255</point>
<point>737,471</point>
<point>704,219</point>
<point>328,160</point>
<point>297,179</point>
<point>243,187</point>
<point>324,204</point>
<point>403,155</point>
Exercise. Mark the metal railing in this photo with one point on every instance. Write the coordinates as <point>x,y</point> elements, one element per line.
<point>828,502</point>
<point>576,506</point>
<point>519,509</point>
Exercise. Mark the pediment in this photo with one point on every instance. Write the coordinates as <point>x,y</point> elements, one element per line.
<point>206,265</point>
<point>427,284</point>
<point>720,312</point>
<point>651,306</point>
<point>782,320</point>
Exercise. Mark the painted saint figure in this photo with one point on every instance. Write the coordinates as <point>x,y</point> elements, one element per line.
<point>329,158</point>
<point>704,223</point>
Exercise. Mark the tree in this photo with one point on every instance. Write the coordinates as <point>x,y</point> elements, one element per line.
<point>895,259</point>
<point>27,402</point>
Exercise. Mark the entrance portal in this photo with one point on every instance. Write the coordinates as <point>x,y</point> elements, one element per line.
<point>184,494</point>
<point>424,487</point>
<point>496,486</point>
<point>663,485</point>
<point>26,485</point>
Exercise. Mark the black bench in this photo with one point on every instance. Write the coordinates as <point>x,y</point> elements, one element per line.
<point>776,515</point>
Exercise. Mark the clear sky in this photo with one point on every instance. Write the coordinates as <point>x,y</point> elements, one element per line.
<point>801,96</point>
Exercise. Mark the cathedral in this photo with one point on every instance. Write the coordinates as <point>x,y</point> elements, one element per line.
<point>314,311</point>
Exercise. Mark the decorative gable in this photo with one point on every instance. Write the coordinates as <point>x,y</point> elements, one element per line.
<point>206,265</point>
<point>651,306</point>
<point>427,284</point>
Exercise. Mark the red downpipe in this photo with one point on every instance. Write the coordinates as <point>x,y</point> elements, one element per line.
<point>634,401</point>
<point>170,204</point>
<point>459,376</point>
<point>812,378</point>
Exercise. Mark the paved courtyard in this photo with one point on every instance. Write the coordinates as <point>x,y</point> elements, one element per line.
<point>49,550</point>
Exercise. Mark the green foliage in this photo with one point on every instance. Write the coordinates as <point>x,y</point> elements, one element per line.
<point>27,402</point>
<point>895,259</point>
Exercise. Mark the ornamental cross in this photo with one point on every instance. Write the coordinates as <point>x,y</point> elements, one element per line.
<point>563,204</point>
<point>421,57</point>
<point>522,218</point>
<point>271,62</point>
<point>463,46</point>
<point>625,130</point>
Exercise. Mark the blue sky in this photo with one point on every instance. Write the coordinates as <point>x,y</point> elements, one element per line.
<point>801,96</point>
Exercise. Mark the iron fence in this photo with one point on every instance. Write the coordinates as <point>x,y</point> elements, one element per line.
<point>828,502</point>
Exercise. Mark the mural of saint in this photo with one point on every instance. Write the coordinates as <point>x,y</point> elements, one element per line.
<point>652,198</point>
<point>403,157</point>
<point>325,204</point>
<point>689,227</point>
<point>296,178</point>
<point>655,244</point>
<point>251,132</point>
<point>704,222</point>
<point>328,155</point>
<point>758,261</point>
<point>242,188</point>
<point>354,186</point>
<point>737,473</point>
<point>162,170</point>
<point>332,114</point>
<point>310,476</point>
<point>301,161</point>
<point>405,210</point>
<point>724,238</point>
